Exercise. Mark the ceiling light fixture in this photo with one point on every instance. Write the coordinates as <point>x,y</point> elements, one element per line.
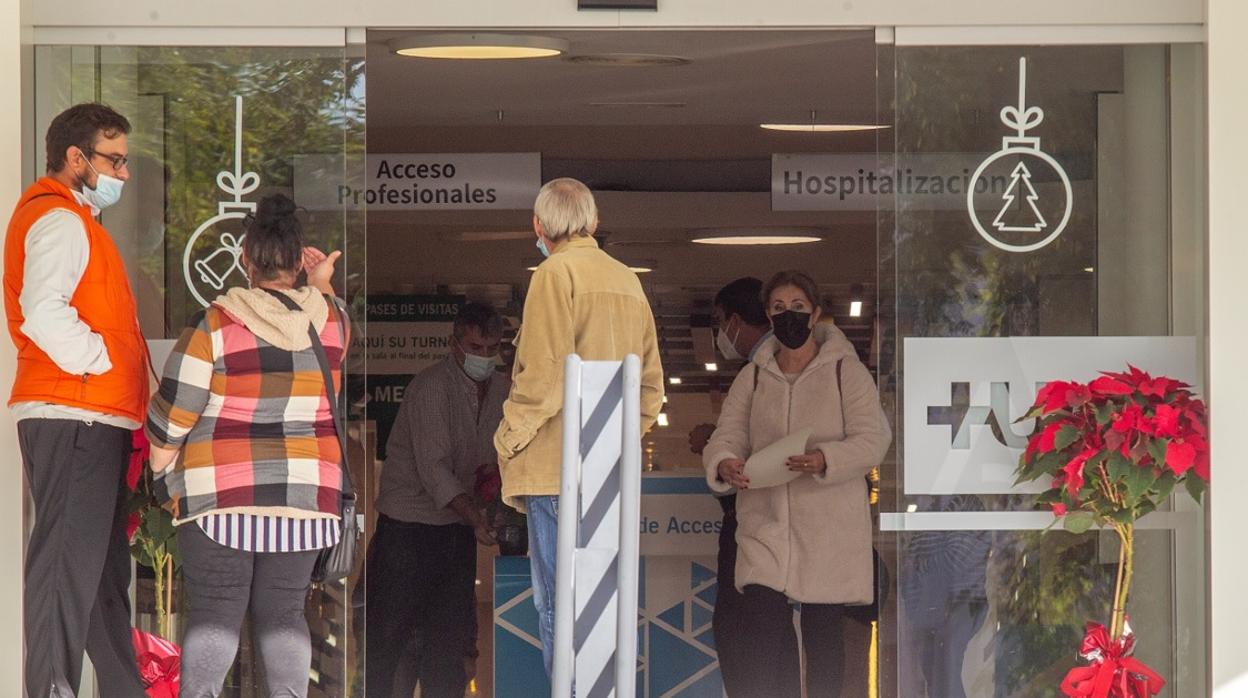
<point>674,380</point>
<point>814,126</point>
<point>663,421</point>
<point>712,367</point>
<point>855,300</point>
<point>478,46</point>
<point>756,236</point>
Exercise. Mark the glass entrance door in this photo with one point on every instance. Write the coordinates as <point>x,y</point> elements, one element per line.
<point>214,131</point>
<point>1037,231</point>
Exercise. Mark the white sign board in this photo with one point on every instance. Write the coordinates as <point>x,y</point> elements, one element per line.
<point>962,396</point>
<point>857,181</point>
<point>679,516</point>
<point>419,181</point>
<point>408,333</point>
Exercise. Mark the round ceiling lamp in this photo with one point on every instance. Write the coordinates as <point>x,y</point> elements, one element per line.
<point>478,46</point>
<point>822,128</point>
<point>756,236</point>
<point>815,126</point>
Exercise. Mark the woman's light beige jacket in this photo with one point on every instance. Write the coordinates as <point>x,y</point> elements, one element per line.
<point>811,538</point>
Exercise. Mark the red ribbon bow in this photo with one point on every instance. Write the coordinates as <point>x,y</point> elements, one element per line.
<point>160,664</point>
<point>1113,672</point>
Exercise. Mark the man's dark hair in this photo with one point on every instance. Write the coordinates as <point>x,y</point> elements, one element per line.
<point>743,297</point>
<point>481,316</point>
<point>82,125</point>
<point>274,242</point>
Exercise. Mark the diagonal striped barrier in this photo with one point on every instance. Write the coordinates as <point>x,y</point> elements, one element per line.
<point>599,512</point>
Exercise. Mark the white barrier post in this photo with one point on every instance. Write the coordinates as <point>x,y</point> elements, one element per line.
<point>599,510</point>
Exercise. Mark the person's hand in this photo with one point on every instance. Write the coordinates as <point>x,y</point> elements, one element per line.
<point>484,535</point>
<point>812,462</point>
<point>732,471</point>
<point>320,268</point>
<point>699,436</point>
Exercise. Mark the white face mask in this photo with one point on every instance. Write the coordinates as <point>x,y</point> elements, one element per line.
<point>107,189</point>
<point>728,347</point>
<point>479,368</point>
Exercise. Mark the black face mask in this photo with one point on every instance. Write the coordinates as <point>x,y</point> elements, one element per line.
<point>792,328</point>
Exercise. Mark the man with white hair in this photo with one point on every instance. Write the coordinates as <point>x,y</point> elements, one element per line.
<point>580,301</point>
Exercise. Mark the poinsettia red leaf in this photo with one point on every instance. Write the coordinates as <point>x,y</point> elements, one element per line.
<point>1055,399</point>
<point>1201,466</point>
<point>1074,471</point>
<point>1180,456</point>
<point>1078,395</point>
<point>1166,421</point>
<point>132,525</point>
<point>1047,440</point>
<point>1110,386</point>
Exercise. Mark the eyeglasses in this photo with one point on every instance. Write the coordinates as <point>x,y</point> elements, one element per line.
<point>118,161</point>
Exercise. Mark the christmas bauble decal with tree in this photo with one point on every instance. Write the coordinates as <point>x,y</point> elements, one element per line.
<point>1025,216</point>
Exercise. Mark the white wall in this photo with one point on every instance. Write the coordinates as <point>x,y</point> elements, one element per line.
<point>1228,335</point>
<point>563,13</point>
<point>12,491</point>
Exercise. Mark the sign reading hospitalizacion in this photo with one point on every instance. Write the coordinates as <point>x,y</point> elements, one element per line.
<point>419,181</point>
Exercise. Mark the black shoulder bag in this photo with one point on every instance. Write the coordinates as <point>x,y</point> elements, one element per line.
<point>333,564</point>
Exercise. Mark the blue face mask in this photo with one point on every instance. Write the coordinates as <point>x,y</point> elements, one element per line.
<point>479,368</point>
<point>107,189</point>
<point>541,247</point>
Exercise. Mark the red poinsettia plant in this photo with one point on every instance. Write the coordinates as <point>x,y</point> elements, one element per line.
<point>153,543</point>
<point>1114,450</point>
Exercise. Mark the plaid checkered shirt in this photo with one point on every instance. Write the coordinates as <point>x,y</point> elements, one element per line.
<point>252,421</point>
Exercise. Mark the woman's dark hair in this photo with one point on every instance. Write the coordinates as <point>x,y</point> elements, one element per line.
<point>81,125</point>
<point>274,242</point>
<point>797,279</point>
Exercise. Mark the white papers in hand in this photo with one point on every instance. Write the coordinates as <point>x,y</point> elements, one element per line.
<point>768,467</point>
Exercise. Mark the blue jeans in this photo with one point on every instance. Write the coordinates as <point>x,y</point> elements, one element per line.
<point>543,546</point>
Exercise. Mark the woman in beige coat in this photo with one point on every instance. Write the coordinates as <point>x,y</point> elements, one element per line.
<point>807,541</point>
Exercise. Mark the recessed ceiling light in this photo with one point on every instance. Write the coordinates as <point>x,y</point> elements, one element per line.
<point>755,236</point>
<point>712,367</point>
<point>1089,269</point>
<point>478,46</point>
<point>674,380</point>
<point>822,128</point>
<point>758,240</point>
<point>855,308</point>
<point>663,421</point>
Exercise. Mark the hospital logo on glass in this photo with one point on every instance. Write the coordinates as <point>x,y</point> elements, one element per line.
<point>212,261</point>
<point>962,395</point>
<point>960,415</point>
<point>1036,204</point>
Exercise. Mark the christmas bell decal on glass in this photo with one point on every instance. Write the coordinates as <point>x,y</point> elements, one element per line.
<point>212,260</point>
<point>1004,189</point>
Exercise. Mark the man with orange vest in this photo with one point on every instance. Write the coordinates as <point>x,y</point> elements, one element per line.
<point>81,388</point>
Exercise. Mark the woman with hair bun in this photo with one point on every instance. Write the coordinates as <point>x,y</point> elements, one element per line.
<point>247,455</point>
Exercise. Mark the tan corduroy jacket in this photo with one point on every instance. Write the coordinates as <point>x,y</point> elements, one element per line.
<point>810,538</point>
<point>580,301</point>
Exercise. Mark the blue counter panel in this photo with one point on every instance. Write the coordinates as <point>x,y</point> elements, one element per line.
<point>675,647</point>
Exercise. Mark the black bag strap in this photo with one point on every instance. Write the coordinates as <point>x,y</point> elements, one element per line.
<point>335,408</point>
